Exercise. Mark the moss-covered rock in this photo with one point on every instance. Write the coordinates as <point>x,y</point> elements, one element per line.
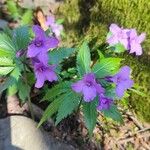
<point>91,19</point>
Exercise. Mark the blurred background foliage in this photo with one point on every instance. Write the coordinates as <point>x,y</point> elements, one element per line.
<point>90,19</point>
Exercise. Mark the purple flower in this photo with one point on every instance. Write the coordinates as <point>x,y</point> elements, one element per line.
<point>118,35</point>
<point>50,20</point>
<point>56,28</point>
<point>104,103</point>
<point>122,81</point>
<point>41,44</point>
<point>44,72</point>
<point>135,42</point>
<point>88,86</point>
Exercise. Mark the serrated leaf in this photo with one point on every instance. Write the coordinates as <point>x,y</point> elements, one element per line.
<point>113,113</point>
<point>10,81</point>
<point>4,61</point>
<point>57,90</point>
<point>30,78</point>
<point>16,73</point>
<point>24,90</point>
<point>52,108</point>
<point>7,47</point>
<point>84,59</point>
<point>27,17</point>
<point>58,55</point>
<point>90,115</point>
<point>12,89</point>
<point>106,67</point>
<point>5,53</point>
<point>68,106</point>
<point>5,70</point>
<point>21,37</point>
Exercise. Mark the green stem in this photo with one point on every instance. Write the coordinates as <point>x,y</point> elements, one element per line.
<point>79,106</point>
<point>29,99</point>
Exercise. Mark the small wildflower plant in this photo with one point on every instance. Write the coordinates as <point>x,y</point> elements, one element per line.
<point>29,58</point>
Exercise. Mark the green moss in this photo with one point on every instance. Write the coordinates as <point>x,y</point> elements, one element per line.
<point>90,20</point>
<point>141,76</point>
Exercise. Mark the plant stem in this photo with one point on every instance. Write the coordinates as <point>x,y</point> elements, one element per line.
<point>29,99</point>
<point>30,107</point>
<point>79,107</point>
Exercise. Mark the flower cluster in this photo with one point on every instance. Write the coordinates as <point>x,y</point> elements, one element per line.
<point>56,28</point>
<point>90,89</point>
<point>122,81</point>
<point>127,37</point>
<point>37,51</point>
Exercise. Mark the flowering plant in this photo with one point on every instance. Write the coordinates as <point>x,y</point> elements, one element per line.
<point>94,86</point>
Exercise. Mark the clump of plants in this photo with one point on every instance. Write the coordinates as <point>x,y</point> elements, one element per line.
<point>92,19</point>
<point>32,58</point>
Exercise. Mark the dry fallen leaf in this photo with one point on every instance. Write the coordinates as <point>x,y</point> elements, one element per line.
<point>41,18</point>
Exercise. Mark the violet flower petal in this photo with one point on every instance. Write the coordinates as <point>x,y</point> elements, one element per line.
<point>89,93</point>
<point>33,50</point>
<point>114,28</point>
<point>104,103</point>
<point>51,42</point>
<point>78,86</point>
<point>40,80</point>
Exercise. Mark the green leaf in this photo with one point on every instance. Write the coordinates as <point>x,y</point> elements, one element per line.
<point>57,90</point>
<point>101,55</point>
<point>106,67</point>
<point>10,81</point>
<point>111,93</point>
<point>12,9</point>
<point>6,65</point>
<point>27,17</point>
<point>52,108</point>
<point>109,34</point>
<point>16,73</point>
<point>5,53</point>
<point>7,47</point>
<point>84,59</point>
<point>58,55</point>
<point>4,61</point>
<point>12,89</point>
<point>5,70</point>
<point>113,113</point>
<point>14,76</point>
<point>24,90</point>
<point>60,21</point>
<point>118,48</point>
<point>90,115</point>
<point>30,78</point>
<point>21,37</point>
<point>8,32</point>
<point>68,106</point>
